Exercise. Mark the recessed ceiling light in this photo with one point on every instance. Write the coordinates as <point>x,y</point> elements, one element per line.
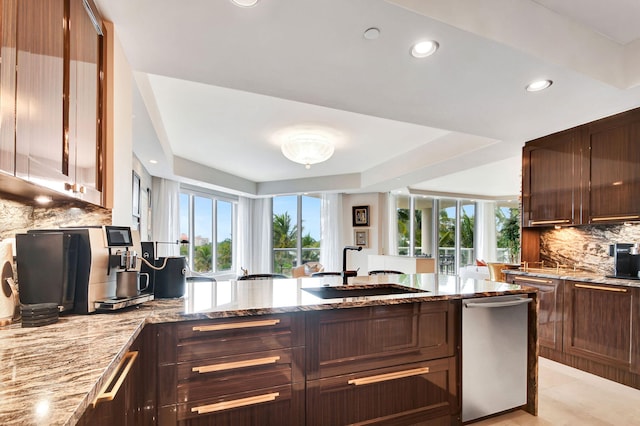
<point>153,161</point>
<point>423,49</point>
<point>245,3</point>
<point>538,85</point>
<point>372,33</point>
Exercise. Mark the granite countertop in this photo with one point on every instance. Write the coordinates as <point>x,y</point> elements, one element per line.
<point>51,374</point>
<point>585,276</point>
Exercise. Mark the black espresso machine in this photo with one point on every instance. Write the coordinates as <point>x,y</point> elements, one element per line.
<point>76,267</point>
<point>626,260</point>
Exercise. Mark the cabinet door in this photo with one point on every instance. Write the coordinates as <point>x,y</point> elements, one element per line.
<point>39,102</point>
<point>8,27</point>
<point>551,180</point>
<point>351,340</point>
<point>411,394</point>
<point>614,194</point>
<point>598,323</point>
<point>84,125</point>
<point>550,297</point>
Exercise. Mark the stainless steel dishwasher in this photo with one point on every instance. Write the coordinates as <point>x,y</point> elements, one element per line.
<point>494,355</point>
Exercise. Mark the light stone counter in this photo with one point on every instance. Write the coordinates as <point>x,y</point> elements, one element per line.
<point>50,375</point>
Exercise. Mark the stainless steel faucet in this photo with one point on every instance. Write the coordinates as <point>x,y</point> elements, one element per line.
<point>345,273</point>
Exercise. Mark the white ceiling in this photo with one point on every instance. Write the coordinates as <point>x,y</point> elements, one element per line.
<point>216,84</point>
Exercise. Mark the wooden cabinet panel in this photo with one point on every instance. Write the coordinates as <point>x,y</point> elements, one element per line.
<point>84,134</point>
<point>614,194</point>
<point>8,33</point>
<point>551,180</point>
<point>598,322</point>
<point>247,370</point>
<point>550,308</point>
<point>134,403</point>
<point>352,340</point>
<point>410,394</point>
<point>40,77</point>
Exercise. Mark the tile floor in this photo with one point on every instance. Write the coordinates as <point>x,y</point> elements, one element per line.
<point>572,397</point>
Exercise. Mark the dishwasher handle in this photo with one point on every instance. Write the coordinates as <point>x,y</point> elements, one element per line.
<point>520,301</point>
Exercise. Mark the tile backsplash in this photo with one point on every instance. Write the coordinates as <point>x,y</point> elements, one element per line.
<point>587,247</point>
<point>16,216</point>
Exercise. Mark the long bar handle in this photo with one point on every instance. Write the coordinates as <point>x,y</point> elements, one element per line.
<point>238,364</point>
<point>597,287</point>
<point>236,325</point>
<point>506,303</point>
<point>388,376</point>
<point>227,405</point>
<point>603,218</point>
<point>534,280</point>
<point>111,388</point>
<point>549,222</point>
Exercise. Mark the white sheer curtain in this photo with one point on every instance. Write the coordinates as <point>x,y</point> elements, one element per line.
<point>392,220</point>
<point>166,215</point>
<point>331,232</point>
<point>485,235</point>
<point>254,235</point>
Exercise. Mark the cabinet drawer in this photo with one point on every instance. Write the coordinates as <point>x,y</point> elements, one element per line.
<point>352,340</point>
<point>408,394</point>
<point>277,405</point>
<point>190,341</point>
<point>217,377</point>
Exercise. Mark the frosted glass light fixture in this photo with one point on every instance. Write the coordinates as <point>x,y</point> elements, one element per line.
<point>307,148</point>
<point>245,3</point>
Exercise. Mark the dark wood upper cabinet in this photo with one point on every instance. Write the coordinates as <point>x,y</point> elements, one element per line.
<point>614,169</point>
<point>551,180</point>
<point>8,33</point>
<point>589,174</point>
<point>51,92</point>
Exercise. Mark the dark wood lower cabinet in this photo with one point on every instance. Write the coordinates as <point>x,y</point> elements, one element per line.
<point>412,394</point>
<point>134,401</point>
<point>600,322</point>
<point>550,308</point>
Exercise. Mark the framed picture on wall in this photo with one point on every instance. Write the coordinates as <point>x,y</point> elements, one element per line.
<point>361,237</point>
<point>360,215</point>
<point>136,195</point>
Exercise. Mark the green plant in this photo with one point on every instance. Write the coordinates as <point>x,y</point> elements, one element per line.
<point>510,234</point>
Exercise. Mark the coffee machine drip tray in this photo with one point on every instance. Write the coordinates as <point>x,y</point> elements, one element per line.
<point>115,303</point>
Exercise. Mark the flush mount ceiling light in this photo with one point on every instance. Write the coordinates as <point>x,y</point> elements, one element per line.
<point>538,85</point>
<point>307,148</point>
<point>245,3</point>
<point>423,49</point>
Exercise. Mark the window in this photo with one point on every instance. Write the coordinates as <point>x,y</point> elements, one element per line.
<point>205,219</point>
<point>448,229</point>
<point>296,231</point>
<point>508,231</point>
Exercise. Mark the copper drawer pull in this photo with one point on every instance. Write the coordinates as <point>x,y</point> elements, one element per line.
<point>595,287</point>
<point>597,219</point>
<point>234,325</point>
<point>227,405</point>
<point>388,376</point>
<point>111,388</point>
<point>549,222</point>
<point>534,280</point>
<point>238,364</point>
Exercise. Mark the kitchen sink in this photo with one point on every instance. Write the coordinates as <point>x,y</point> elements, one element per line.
<point>339,292</point>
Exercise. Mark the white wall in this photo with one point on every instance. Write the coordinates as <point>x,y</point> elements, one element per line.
<point>377,228</point>
<point>119,130</point>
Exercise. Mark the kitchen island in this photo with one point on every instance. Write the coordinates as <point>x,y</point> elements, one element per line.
<point>52,374</point>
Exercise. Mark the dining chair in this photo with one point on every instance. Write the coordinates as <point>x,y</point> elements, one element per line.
<point>261,277</point>
<point>385,272</point>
